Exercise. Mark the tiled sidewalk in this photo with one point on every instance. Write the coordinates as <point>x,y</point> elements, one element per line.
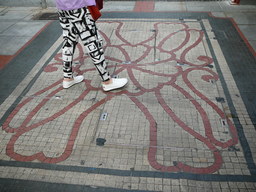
<point>183,123</point>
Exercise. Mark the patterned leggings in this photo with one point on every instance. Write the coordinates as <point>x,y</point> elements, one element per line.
<point>79,24</point>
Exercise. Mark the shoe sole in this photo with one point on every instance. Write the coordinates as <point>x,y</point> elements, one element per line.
<point>73,84</point>
<point>115,88</point>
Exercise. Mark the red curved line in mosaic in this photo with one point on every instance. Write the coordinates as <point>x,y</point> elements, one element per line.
<point>53,67</point>
<point>217,156</point>
<point>122,50</point>
<point>119,35</point>
<point>10,151</point>
<point>6,126</point>
<point>182,44</point>
<point>209,133</point>
<point>209,141</point>
<point>186,51</point>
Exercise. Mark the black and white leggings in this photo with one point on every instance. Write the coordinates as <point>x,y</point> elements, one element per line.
<point>79,24</point>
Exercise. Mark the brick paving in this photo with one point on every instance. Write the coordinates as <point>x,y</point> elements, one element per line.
<point>181,124</point>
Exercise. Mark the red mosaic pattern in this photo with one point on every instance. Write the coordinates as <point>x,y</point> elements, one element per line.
<point>184,48</point>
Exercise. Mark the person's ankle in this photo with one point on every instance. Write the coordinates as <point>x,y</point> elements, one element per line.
<point>68,79</point>
<point>107,82</point>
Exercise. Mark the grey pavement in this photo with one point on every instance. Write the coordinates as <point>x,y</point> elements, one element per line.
<point>16,17</point>
<point>185,122</point>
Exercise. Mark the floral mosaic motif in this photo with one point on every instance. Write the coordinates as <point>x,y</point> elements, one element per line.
<point>152,50</point>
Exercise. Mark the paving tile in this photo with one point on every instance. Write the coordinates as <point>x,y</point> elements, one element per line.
<point>203,6</point>
<point>2,8</point>
<point>5,25</point>
<point>170,6</point>
<point>14,15</point>
<point>243,18</point>
<point>21,29</point>
<point>218,14</point>
<point>25,9</point>
<point>119,6</point>
<point>248,31</point>
<point>12,44</point>
<point>253,44</point>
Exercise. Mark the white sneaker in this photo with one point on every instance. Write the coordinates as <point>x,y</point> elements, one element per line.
<point>116,84</point>
<point>77,79</point>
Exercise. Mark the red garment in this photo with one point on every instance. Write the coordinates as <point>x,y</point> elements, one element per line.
<point>95,10</point>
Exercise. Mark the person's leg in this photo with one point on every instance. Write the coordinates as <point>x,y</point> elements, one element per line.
<point>93,43</point>
<point>87,31</point>
<point>69,44</point>
<point>70,41</point>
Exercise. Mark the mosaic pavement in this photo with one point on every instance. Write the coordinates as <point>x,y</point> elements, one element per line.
<point>180,124</point>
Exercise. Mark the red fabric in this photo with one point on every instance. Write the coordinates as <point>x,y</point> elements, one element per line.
<point>95,12</point>
<point>99,4</point>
